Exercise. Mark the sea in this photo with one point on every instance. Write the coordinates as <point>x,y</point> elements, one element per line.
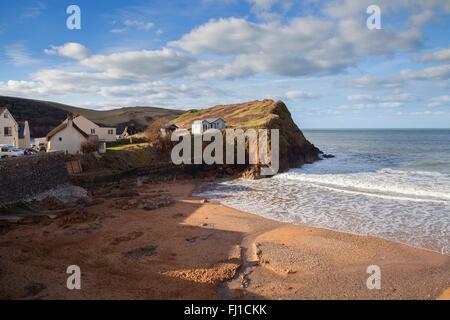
<point>389,183</point>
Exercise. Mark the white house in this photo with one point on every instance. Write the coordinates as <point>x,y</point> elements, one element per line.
<point>91,128</point>
<point>76,129</point>
<point>66,137</point>
<point>24,135</point>
<point>9,133</point>
<point>200,126</point>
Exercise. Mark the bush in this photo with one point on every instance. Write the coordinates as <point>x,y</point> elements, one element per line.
<point>90,146</point>
<point>153,131</point>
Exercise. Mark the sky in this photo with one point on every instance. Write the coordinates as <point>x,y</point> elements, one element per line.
<point>319,57</point>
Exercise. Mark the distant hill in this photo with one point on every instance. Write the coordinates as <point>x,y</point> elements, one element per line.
<point>43,116</point>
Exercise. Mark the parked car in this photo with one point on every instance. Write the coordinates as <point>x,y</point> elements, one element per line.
<point>30,151</point>
<point>9,151</point>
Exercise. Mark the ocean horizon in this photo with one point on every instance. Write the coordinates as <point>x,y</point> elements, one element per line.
<point>388,183</point>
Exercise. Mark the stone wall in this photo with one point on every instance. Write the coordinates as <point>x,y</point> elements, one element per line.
<point>23,177</point>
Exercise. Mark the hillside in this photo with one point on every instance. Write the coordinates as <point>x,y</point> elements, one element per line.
<point>295,150</point>
<point>43,116</point>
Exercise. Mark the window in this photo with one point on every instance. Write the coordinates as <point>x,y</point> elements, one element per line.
<point>92,131</point>
<point>110,131</point>
<point>60,139</point>
<point>6,116</point>
<point>7,131</point>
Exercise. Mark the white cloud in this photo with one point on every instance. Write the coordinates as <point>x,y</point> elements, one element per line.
<point>54,82</point>
<point>430,113</point>
<point>18,54</point>
<point>139,25</point>
<point>352,8</point>
<point>370,82</point>
<point>431,73</point>
<point>380,105</point>
<point>71,50</point>
<point>329,41</point>
<point>109,92</point>
<point>158,90</point>
<point>439,101</point>
<point>33,88</point>
<point>441,55</point>
<point>56,77</point>
<point>300,95</point>
<point>134,24</point>
<point>304,46</point>
<point>34,10</point>
<point>399,97</point>
<point>270,10</point>
<point>144,64</point>
<point>421,18</point>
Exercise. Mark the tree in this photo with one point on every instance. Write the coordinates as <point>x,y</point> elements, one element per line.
<point>154,136</point>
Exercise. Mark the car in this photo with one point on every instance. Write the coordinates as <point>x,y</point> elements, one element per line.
<point>9,151</point>
<point>30,151</point>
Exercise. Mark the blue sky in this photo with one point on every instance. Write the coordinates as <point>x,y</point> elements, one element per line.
<point>317,56</point>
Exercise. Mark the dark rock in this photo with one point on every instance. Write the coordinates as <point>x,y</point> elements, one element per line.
<point>128,237</point>
<point>34,288</point>
<point>86,202</point>
<point>52,203</point>
<point>124,194</point>
<point>139,253</point>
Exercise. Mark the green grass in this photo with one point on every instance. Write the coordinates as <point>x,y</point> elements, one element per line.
<point>187,115</point>
<point>128,146</point>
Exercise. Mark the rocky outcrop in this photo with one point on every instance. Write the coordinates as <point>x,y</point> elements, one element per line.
<point>295,150</point>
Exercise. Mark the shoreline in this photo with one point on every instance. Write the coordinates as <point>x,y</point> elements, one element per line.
<point>330,229</point>
<point>445,294</point>
<point>441,250</point>
<point>191,249</point>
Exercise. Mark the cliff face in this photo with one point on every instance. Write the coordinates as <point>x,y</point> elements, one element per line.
<point>295,150</point>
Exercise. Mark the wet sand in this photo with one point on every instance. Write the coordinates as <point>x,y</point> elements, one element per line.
<point>187,248</point>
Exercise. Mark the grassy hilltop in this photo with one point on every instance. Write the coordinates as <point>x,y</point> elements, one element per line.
<point>43,116</point>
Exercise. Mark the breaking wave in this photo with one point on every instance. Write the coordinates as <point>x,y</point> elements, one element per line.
<point>412,207</point>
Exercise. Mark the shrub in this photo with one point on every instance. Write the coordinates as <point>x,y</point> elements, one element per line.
<point>90,146</point>
<point>153,132</point>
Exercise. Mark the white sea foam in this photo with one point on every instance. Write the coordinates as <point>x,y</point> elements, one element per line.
<point>388,183</point>
<point>412,207</point>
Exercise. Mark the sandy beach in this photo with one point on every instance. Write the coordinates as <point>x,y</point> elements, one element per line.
<point>183,247</point>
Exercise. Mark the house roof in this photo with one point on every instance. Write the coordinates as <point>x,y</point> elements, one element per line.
<point>62,126</point>
<point>3,109</point>
<point>170,126</point>
<point>77,115</point>
<point>210,120</point>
